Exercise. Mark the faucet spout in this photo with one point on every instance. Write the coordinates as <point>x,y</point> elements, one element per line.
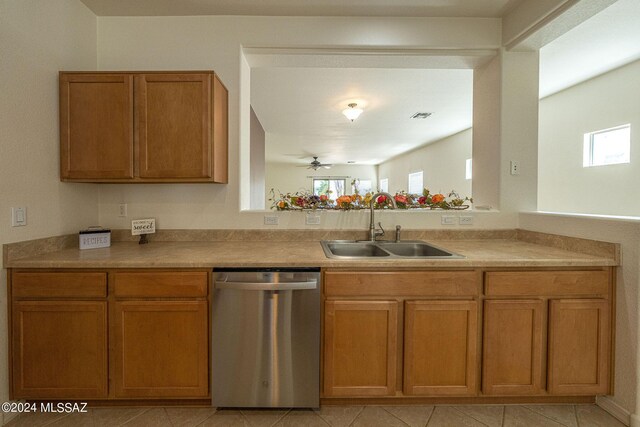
<point>373,233</point>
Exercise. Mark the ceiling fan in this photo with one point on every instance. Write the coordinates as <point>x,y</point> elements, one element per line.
<point>316,164</point>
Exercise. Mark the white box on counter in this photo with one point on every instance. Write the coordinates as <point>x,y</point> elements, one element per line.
<point>93,238</point>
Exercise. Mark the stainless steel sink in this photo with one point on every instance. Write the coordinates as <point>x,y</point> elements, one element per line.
<point>351,249</point>
<point>355,249</point>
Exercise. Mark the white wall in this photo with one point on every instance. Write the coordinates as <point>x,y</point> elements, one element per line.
<point>442,162</point>
<point>564,185</point>
<point>37,39</point>
<point>215,42</point>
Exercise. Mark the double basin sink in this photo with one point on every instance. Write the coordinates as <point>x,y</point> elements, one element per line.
<point>417,249</point>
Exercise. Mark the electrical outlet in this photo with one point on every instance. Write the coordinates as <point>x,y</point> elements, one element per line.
<point>18,217</point>
<point>312,219</point>
<point>123,210</point>
<point>466,220</point>
<point>447,220</point>
<point>515,167</point>
<point>270,220</point>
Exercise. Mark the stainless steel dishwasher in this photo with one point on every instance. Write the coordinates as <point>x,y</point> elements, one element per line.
<point>266,338</point>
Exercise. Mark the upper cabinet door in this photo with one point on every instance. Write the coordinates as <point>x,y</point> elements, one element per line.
<point>96,126</point>
<point>173,119</point>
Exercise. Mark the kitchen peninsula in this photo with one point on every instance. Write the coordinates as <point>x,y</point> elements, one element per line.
<point>523,317</point>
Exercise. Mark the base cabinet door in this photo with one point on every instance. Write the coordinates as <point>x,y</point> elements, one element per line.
<point>59,349</point>
<point>440,348</point>
<point>160,349</point>
<point>579,347</point>
<point>360,347</point>
<point>512,362</point>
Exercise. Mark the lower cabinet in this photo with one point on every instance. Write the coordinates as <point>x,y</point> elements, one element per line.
<point>513,347</point>
<point>394,334</point>
<point>440,346</point>
<point>59,349</point>
<point>160,349</point>
<point>548,334</point>
<point>77,335</point>
<point>579,346</point>
<point>360,348</point>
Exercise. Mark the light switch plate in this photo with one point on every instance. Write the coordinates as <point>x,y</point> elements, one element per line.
<point>18,217</point>
<point>122,212</point>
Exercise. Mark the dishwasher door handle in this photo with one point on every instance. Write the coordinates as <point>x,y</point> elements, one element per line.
<point>266,286</point>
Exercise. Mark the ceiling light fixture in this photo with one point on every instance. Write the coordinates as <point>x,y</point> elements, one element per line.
<point>352,112</point>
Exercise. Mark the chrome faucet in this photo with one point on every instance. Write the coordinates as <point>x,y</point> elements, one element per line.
<point>373,233</point>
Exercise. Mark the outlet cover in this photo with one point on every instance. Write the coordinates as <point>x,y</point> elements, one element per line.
<point>270,220</point>
<point>312,219</point>
<point>466,220</point>
<point>122,210</point>
<point>447,220</point>
<point>515,167</point>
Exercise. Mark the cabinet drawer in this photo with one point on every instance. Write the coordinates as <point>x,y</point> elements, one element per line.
<point>59,285</point>
<point>546,283</point>
<point>161,284</point>
<point>408,283</point>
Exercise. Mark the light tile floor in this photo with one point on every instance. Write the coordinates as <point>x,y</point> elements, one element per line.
<point>335,416</point>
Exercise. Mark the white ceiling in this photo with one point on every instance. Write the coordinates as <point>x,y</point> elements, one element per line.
<point>301,109</point>
<point>450,8</point>
<point>606,41</point>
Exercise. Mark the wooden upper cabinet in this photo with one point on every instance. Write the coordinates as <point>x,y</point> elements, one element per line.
<point>513,347</point>
<point>440,348</point>
<point>579,347</point>
<point>360,348</point>
<point>96,126</point>
<point>143,127</point>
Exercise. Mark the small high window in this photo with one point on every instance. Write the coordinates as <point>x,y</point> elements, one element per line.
<point>468,166</point>
<point>384,185</point>
<point>415,183</point>
<point>607,147</point>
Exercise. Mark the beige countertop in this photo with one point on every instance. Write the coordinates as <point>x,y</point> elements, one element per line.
<point>242,253</point>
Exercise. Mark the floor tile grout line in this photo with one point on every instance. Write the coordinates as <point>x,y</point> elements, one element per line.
<point>504,411</point>
<point>313,411</point>
<point>467,415</point>
<point>543,415</point>
<point>575,414</point>
<point>356,417</point>
<point>433,409</point>
<point>398,418</point>
<point>282,417</point>
<point>166,414</point>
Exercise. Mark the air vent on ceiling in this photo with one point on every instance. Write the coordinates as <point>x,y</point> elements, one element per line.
<point>421,115</point>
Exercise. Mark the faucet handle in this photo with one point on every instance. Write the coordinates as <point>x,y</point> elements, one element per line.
<point>398,229</point>
<point>381,231</point>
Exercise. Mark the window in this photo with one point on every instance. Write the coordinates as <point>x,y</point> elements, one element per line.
<point>332,187</point>
<point>607,146</point>
<point>364,186</point>
<point>384,185</point>
<point>415,183</point>
<point>468,166</point>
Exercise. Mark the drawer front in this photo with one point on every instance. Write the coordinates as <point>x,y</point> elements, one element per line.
<point>166,284</point>
<point>59,285</point>
<point>546,283</point>
<point>408,283</point>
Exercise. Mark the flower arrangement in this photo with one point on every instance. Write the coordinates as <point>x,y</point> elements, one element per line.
<point>304,200</point>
